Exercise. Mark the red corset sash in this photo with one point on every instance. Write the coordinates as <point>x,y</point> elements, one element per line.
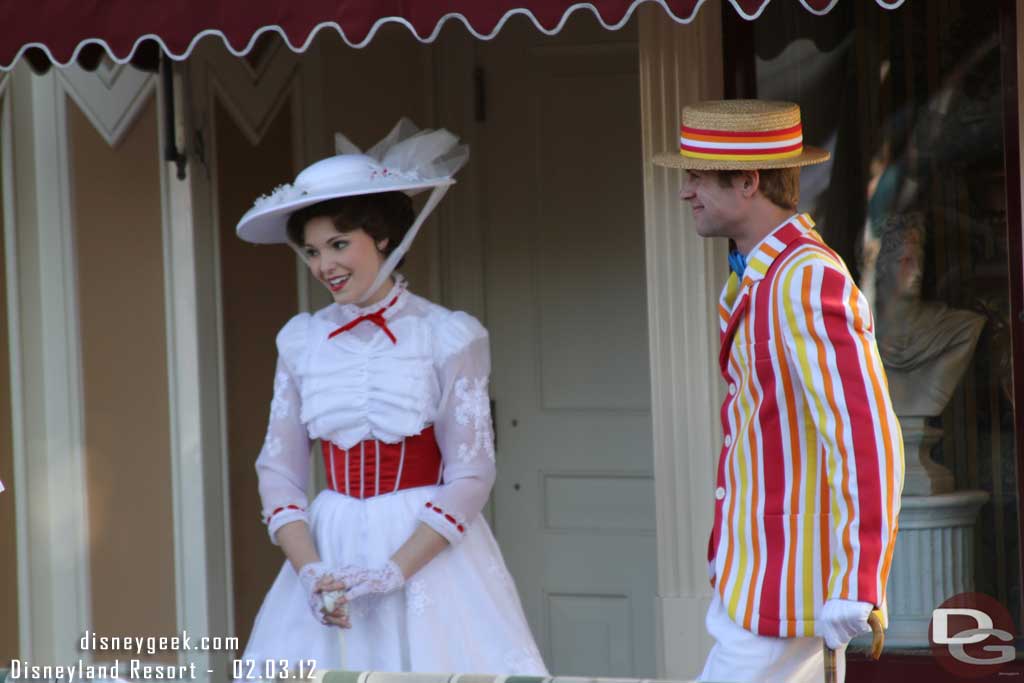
<point>372,468</point>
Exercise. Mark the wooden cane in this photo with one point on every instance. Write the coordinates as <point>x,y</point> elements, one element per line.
<point>877,643</point>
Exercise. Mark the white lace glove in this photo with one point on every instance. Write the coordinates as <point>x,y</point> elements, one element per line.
<point>309,576</point>
<point>320,602</point>
<point>843,620</point>
<point>360,581</point>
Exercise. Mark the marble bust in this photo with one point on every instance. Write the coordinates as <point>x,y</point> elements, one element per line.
<point>925,346</point>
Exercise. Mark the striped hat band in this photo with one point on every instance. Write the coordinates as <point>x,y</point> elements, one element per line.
<point>731,145</point>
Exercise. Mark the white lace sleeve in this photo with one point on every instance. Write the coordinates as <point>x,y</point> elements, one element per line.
<point>464,434</point>
<point>283,462</point>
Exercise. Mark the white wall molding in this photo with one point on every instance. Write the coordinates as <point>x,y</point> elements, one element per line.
<point>680,64</point>
<point>49,431</point>
<point>111,97</point>
<point>202,566</point>
<point>204,215</point>
<point>18,483</point>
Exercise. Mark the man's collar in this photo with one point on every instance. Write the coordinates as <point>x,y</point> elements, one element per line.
<point>761,257</point>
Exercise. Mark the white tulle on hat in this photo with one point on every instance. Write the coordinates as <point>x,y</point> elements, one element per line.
<point>407,160</point>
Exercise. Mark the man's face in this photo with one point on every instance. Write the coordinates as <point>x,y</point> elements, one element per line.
<point>911,268</point>
<point>716,209</point>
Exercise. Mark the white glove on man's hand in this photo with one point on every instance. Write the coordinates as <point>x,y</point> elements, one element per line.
<point>843,620</point>
<point>360,581</point>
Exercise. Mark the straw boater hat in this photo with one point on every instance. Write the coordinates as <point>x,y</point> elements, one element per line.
<point>736,135</point>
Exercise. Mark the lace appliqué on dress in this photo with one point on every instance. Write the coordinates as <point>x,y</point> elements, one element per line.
<point>272,446</point>
<point>417,598</point>
<point>280,405</point>
<point>474,410</point>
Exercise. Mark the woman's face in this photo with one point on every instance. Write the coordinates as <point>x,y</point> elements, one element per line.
<point>345,262</point>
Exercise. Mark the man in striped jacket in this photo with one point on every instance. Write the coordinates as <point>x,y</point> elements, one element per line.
<point>811,466</point>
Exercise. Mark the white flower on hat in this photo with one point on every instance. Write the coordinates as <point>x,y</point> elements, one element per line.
<point>280,195</point>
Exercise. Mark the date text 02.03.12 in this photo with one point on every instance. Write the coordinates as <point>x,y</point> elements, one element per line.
<point>280,669</point>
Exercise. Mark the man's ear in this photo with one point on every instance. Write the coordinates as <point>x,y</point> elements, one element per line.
<point>748,182</point>
<point>382,245</point>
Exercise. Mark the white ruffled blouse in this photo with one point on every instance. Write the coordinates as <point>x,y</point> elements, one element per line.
<point>362,385</point>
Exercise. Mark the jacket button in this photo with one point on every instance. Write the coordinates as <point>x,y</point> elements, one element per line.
<point>719,493</point>
<point>732,389</point>
<point>728,440</point>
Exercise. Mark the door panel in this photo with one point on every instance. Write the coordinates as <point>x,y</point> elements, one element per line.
<point>566,306</point>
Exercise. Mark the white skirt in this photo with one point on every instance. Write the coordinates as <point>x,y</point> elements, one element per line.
<point>458,614</point>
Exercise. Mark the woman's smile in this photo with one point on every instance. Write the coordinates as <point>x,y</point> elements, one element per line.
<point>337,283</point>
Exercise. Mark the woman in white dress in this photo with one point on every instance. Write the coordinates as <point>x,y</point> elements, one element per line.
<point>392,567</point>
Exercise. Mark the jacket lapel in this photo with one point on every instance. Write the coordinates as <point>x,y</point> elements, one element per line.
<point>738,311</point>
<point>735,299</point>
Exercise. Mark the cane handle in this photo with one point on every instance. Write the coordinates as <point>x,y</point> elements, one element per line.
<point>877,634</point>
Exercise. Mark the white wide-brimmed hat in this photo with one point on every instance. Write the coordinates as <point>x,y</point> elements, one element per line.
<point>407,160</point>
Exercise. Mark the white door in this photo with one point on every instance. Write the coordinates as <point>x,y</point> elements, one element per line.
<point>559,154</point>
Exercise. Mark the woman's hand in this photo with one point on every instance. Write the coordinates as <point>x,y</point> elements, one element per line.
<point>330,589</point>
<point>363,582</point>
<point>333,602</point>
<point>325,593</point>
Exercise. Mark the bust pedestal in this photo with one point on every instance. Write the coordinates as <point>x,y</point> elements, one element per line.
<point>933,561</point>
<point>923,476</point>
<point>934,555</point>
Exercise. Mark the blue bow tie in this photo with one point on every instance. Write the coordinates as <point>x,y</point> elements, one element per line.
<point>737,263</point>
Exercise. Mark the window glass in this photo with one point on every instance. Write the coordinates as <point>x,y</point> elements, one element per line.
<point>910,104</point>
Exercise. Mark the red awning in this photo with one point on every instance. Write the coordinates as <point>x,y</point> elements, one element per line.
<point>63,31</point>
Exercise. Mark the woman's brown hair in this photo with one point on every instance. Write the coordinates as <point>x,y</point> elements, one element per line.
<point>383,216</point>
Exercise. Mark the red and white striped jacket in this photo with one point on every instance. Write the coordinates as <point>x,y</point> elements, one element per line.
<point>811,467</point>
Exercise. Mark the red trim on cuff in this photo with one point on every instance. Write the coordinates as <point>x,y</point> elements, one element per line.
<point>282,509</point>
<point>449,518</point>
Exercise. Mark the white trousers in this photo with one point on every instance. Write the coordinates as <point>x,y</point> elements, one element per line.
<point>740,656</point>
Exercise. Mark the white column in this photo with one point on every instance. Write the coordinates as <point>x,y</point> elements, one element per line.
<point>680,64</point>
<point>49,443</point>
<point>198,467</point>
<point>18,478</point>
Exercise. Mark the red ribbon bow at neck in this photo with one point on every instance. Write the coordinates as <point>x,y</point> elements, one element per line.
<point>377,318</point>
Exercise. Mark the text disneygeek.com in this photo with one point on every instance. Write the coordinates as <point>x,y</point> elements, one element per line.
<point>151,645</point>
